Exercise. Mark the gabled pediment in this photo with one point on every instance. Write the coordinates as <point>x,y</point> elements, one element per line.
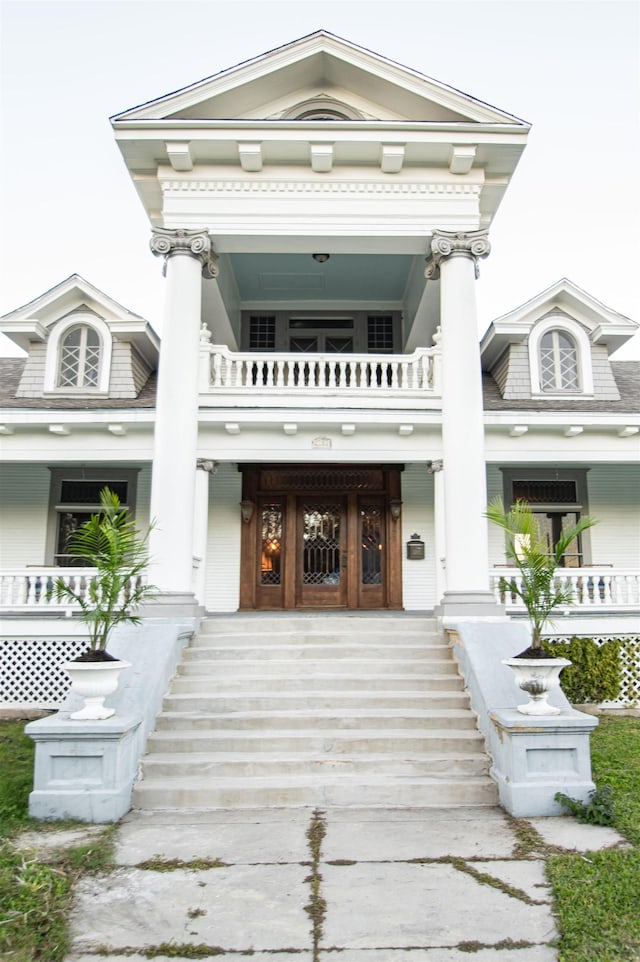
<point>324,67</point>
<point>32,322</point>
<point>603,325</point>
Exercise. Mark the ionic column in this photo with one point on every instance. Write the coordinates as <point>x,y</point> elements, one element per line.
<point>454,259</point>
<point>204,470</point>
<point>439,545</point>
<point>188,257</point>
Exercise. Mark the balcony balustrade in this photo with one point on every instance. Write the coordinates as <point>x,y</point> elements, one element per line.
<point>352,378</point>
<point>593,589</point>
<point>31,591</point>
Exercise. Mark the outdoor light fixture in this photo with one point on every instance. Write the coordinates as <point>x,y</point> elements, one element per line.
<point>395,507</point>
<point>246,510</point>
<point>321,258</point>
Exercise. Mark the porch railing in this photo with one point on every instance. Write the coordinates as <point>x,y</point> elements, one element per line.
<point>592,588</point>
<point>31,590</point>
<point>227,372</point>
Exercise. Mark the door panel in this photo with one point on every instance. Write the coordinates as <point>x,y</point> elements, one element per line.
<point>270,553</point>
<point>372,553</point>
<point>321,553</point>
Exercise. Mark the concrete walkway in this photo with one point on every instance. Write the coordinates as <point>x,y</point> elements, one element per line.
<point>302,885</point>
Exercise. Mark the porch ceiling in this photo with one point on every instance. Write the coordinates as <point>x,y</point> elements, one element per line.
<point>263,278</point>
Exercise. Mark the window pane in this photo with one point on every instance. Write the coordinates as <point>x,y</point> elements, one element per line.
<point>88,492</point>
<point>558,362</point>
<point>271,544</point>
<point>380,334</point>
<point>262,332</point>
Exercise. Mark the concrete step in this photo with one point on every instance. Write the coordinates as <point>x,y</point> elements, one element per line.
<point>337,666</point>
<point>295,701</point>
<point>327,623</point>
<point>251,791</point>
<point>330,740</point>
<point>275,636</point>
<point>318,719</point>
<point>315,651</point>
<point>315,709</point>
<point>197,681</point>
<point>201,764</point>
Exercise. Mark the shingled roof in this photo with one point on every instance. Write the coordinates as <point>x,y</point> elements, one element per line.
<point>626,374</point>
<point>11,372</point>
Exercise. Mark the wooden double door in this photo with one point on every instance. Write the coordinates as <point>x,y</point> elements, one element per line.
<point>321,548</point>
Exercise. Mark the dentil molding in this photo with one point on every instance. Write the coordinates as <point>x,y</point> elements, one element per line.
<point>193,243</point>
<point>251,186</point>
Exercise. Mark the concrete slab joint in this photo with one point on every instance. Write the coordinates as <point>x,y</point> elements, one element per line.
<point>532,758</point>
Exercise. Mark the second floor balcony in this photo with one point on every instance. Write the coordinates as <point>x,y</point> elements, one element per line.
<point>250,378</point>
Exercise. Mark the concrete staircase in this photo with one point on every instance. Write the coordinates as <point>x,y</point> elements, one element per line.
<point>315,709</point>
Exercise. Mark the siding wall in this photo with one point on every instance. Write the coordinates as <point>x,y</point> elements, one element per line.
<point>614,498</point>
<point>222,583</point>
<point>518,381</point>
<point>24,504</point>
<point>418,577</point>
<point>604,385</point>
<point>32,380</point>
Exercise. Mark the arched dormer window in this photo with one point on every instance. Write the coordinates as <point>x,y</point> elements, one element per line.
<point>558,362</point>
<point>79,364</point>
<point>322,108</point>
<point>560,357</point>
<point>78,358</point>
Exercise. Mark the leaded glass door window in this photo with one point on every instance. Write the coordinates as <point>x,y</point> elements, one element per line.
<point>322,552</point>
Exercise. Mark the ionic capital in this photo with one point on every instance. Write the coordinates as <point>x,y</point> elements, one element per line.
<point>433,467</point>
<point>474,244</point>
<point>209,467</point>
<point>194,243</point>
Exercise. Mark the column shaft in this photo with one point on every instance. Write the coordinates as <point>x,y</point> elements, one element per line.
<point>455,258</point>
<point>176,429</point>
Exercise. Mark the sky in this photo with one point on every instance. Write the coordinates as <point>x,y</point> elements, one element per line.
<point>568,67</point>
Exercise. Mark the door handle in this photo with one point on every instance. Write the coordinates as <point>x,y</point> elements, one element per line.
<point>343,560</point>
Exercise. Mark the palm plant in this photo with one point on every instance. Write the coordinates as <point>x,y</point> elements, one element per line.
<point>529,553</point>
<point>110,543</point>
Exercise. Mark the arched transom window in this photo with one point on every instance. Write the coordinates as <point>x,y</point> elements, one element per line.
<point>79,358</point>
<point>558,362</point>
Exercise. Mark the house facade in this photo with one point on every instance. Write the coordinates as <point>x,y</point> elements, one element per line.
<point>320,427</point>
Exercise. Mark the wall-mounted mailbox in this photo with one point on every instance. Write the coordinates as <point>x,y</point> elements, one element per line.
<point>415,548</point>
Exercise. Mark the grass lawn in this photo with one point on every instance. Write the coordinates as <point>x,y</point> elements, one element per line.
<point>34,894</point>
<point>598,895</point>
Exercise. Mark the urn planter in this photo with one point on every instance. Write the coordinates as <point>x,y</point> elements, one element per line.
<point>94,681</point>
<point>537,677</point>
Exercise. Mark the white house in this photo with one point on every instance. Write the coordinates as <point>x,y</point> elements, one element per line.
<point>320,428</point>
<point>322,214</point>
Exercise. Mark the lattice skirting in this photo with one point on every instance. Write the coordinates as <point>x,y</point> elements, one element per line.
<point>629,664</point>
<point>30,672</point>
<point>31,676</point>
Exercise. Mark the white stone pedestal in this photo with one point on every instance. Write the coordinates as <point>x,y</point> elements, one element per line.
<point>533,758</point>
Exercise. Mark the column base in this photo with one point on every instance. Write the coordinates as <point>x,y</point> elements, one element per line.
<point>172,604</point>
<point>469,604</point>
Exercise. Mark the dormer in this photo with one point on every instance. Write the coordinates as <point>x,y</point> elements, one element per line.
<point>81,344</point>
<point>556,347</point>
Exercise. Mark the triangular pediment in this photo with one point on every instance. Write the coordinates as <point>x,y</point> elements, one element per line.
<point>564,298</point>
<point>324,69</point>
<point>75,295</point>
